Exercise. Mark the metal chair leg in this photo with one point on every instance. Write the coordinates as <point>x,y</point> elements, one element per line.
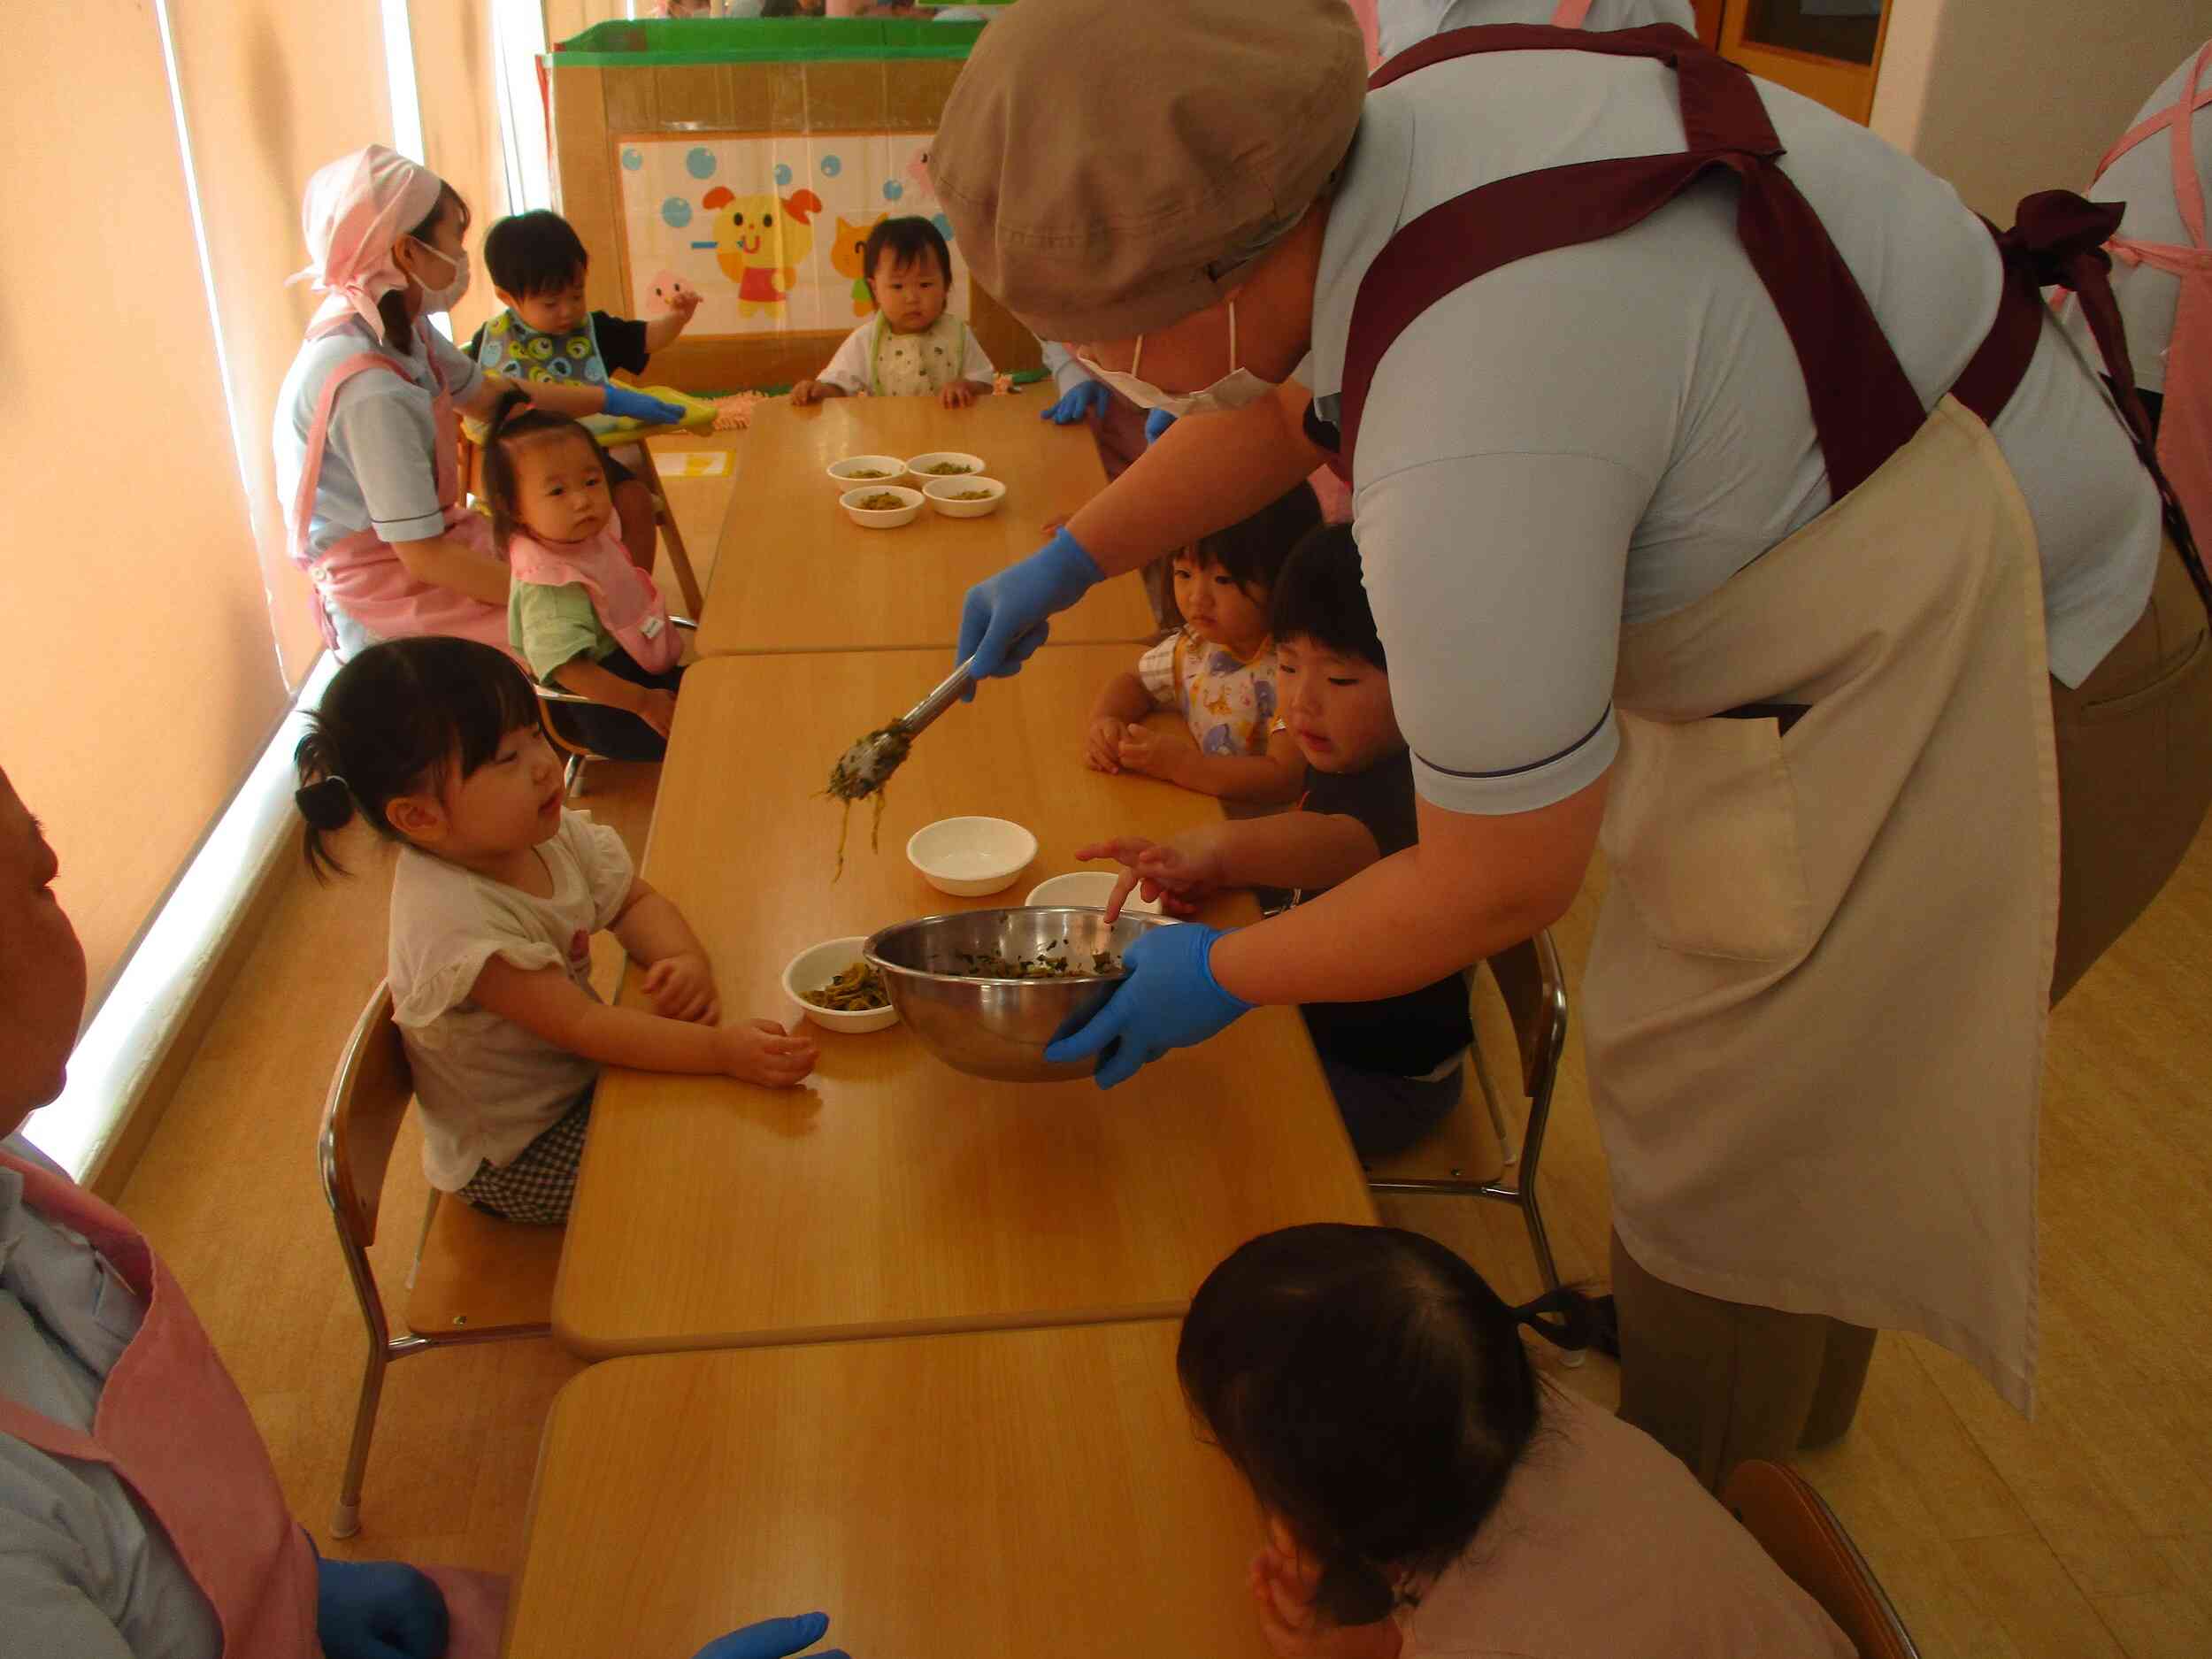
<point>672,534</point>
<point>345,1520</point>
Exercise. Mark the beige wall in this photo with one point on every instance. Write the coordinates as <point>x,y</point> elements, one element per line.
<point>2004,97</point>
<point>265,112</point>
<point>138,677</point>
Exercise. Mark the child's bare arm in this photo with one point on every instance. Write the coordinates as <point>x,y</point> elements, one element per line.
<point>1270,779</point>
<point>662,330</point>
<point>1293,849</point>
<point>546,1002</point>
<point>1122,698</point>
<point>677,976</point>
<point>587,679</point>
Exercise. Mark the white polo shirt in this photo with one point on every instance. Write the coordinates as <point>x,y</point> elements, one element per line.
<point>1605,433</point>
<point>2144,179</point>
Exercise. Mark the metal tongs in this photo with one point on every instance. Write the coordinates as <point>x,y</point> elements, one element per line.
<point>868,765</point>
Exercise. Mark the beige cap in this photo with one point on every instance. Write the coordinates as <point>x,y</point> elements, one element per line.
<point>1111,167</point>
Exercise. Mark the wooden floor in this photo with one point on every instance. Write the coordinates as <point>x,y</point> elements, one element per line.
<point>2086,1532</point>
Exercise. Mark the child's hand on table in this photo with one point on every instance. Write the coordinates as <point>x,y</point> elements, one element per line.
<point>1102,744</point>
<point>657,709</point>
<point>1178,874</point>
<point>805,392</point>
<point>959,394</point>
<point>761,1051</point>
<point>1144,750</point>
<point>682,988</point>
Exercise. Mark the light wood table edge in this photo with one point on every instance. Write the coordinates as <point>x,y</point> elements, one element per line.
<point>817,1336</point>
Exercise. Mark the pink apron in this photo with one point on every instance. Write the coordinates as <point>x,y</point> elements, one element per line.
<point>360,573</point>
<point>173,1427</point>
<point>2185,433</point>
<point>629,605</point>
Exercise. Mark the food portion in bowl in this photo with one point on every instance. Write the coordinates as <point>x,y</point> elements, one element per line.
<point>855,991</point>
<point>865,469</point>
<point>940,464</point>
<point>882,500</point>
<point>971,495</point>
<point>882,507</point>
<point>991,965</point>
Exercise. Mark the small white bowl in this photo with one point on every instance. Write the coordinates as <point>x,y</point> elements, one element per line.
<point>881,517</point>
<point>941,492</point>
<point>970,465</point>
<point>1089,888</point>
<point>815,967</point>
<point>970,857</point>
<point>840,473</point>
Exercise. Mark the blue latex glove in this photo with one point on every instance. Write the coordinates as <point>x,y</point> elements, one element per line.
<point>633,404</point>
<point>773,1638</point>
<point>1155,423</point>
<point>1170,1000</point>
<point>1089,397</point>
<point>378,1610</point>
<point>1002,619</point>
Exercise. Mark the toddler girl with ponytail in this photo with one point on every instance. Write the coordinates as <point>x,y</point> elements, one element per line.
<point>436,743</point>
<point>1427,1492</point>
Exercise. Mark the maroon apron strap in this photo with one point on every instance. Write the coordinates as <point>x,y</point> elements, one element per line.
<point>2058,241</point>
<point>1864,409</point>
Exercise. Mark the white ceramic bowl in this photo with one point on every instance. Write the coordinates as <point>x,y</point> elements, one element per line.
<point>941,492</point>
<point>840,473</point>
<point>910,506</point>
<point>918,465</point>
<point>970,857</point>
<point>1089,889</point>
<point>815,967</point>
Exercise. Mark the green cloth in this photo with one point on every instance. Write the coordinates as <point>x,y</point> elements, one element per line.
<point>553,626</point>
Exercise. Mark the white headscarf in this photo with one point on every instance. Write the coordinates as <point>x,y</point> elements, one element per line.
<point>1402,23</point>
<point>357,208</point>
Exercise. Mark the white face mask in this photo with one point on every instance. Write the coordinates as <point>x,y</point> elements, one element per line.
<point>446,298</point>
<point>1234,389</point>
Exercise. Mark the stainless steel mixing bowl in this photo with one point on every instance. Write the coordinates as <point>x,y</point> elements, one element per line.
<point>998,1028</point>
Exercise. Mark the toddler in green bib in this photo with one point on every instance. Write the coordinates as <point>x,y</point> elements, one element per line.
<point>913,347</point>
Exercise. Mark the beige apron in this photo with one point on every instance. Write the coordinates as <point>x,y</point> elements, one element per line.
<point>1816,1003</point>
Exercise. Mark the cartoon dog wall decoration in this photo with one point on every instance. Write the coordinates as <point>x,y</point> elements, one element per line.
<point>760,240</point>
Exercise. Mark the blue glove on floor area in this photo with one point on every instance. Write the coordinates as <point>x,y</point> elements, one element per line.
<point>1002,619</point>
<point>1155,423</point>
<point>1087,399</point>
<point>1171,1000</point>
<point>632,404</point>
<point>378,1610</point>
<point>773,1638</point>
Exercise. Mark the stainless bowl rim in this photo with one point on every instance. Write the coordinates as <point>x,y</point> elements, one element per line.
<point>868,954</point>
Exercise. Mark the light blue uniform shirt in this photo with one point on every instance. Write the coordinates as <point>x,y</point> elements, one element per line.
<point>1605,433</point>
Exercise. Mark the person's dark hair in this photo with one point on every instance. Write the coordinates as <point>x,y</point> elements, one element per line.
<point>514,419</point>
<point>537,252</point>
<point>1252,550</point>
<point>1374,1392</point>
<point>390,721</point>
<point>1319,597</point>
<point>399,327</point>
<point>905,240</point>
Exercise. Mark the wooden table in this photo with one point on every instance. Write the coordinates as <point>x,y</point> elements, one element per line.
<point>892,1195</point>
<point>793,573</point>
<point>1026,1493</point>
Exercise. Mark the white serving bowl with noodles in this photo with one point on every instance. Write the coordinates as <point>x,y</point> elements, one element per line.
<point>815,967</point>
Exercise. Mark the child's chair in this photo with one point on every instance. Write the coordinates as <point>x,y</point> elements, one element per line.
<point>1532,999</point>
<point>1794,1526</point>
<point>475,1279</point>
